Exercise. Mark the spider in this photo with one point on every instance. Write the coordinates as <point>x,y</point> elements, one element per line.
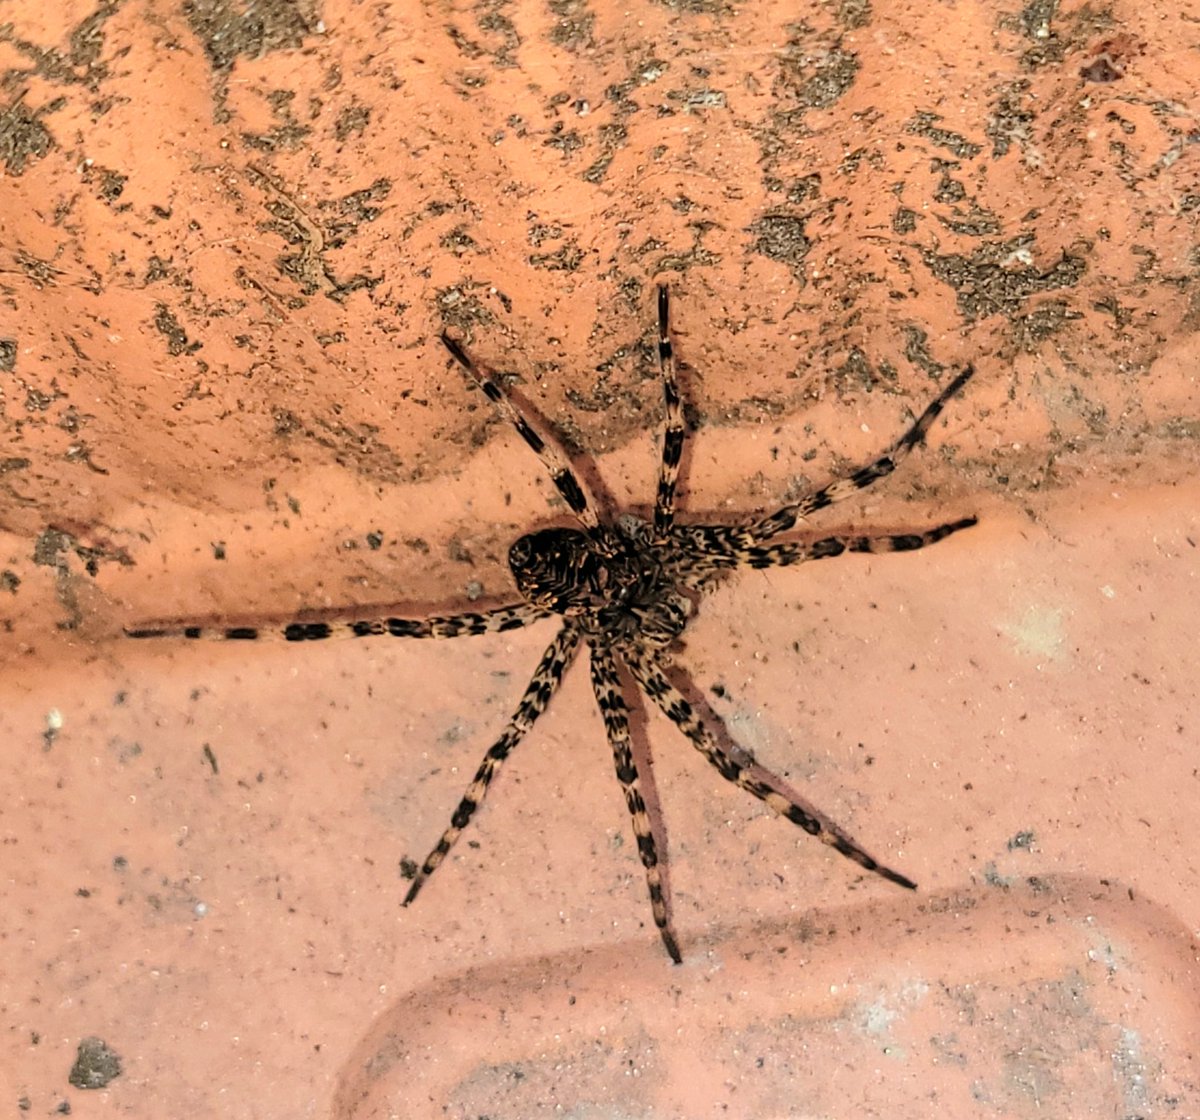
<point>627,588</point>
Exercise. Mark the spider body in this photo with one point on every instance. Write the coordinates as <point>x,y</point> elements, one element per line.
<point>570,573</point>
<point>615,585</point>
<point>627,588</point>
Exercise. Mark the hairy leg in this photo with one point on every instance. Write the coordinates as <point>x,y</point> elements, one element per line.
<point>784,519</point>
<point>607,686</point>
<point>781,555</point>
<point>754,780</point>
<point>664,502</point>
<point>552,459</point>
<point>541,688</point>
<point>439,626</point>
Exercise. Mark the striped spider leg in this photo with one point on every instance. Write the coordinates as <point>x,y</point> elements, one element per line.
<point>628,589</point>
<point>494,621</point>
<point>840,489</point>
<point>672,449</point>
<point>552,459</point>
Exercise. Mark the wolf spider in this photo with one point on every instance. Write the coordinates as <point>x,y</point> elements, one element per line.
<point>627,588</point>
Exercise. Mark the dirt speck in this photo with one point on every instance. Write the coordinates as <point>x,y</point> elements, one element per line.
<point>96,1064</point>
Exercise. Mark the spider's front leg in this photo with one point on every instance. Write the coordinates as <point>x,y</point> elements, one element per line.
<point>495,621</point>
<point>563,477</point>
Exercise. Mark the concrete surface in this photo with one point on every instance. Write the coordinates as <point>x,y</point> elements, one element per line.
<point>230,238</point>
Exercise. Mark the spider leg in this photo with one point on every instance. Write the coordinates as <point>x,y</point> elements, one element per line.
<point>841,489</point>
<point>607,686</point>
<point>675,706</point>
<point>439,626</point>
<point>664,502</point>
<point>552,459</point>
<point>541,688</point>
<point>781,555</point>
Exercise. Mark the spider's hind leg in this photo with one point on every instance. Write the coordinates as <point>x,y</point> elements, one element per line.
<point>552,459</point>
<point>782,555</point>
<point>607,687</point>
<point>838,491</point>
<point>753,779</point>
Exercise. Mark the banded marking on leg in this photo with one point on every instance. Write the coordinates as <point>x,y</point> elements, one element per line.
<point>782,555</point>
<point>607,687</point>
<point>541,688</point>
<point>676,707</point>
<point>552,459</point>
<point>673,433</point>
<point>838,491</point>
<point>439,626</point>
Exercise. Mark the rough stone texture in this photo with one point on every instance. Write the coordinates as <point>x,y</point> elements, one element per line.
<point>229,237</point>
<point>96,1065</point>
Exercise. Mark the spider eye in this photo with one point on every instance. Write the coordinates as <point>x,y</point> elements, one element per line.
<point>518,555</point>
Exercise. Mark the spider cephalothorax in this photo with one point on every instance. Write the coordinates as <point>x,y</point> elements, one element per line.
<point>570,573</point>
<point>615,583</point>
<point>627,588</point>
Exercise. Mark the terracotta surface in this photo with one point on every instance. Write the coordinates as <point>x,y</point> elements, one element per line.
<point>229,237</point>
